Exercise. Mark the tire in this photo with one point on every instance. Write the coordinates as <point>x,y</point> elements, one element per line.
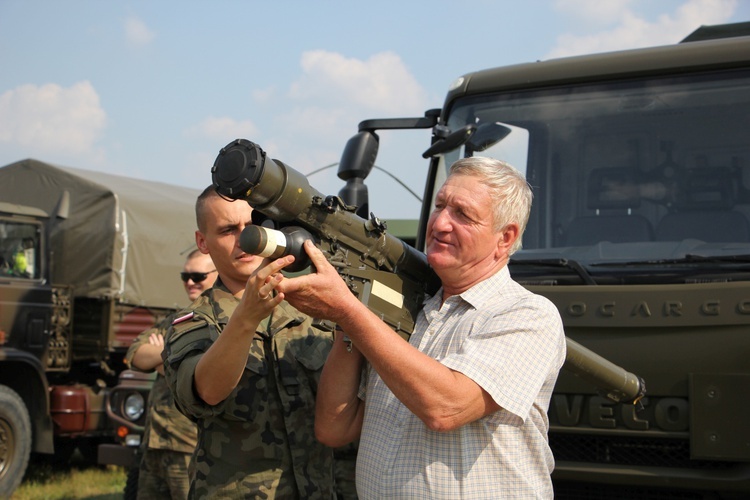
<point>131,485</point>
<point>15,440</point>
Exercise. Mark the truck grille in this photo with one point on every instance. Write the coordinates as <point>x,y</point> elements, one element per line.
<point>618,450</point>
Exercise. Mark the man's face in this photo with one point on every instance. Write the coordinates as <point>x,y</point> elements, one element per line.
<point>223,223</point>
<point>197,267</point>
<point>462,245</point>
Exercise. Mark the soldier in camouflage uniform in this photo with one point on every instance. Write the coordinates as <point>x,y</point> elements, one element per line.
<point>245,366</point>
<point>169,437</point>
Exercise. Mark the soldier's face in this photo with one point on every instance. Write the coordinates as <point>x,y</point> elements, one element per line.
<point>200,264</point>
<point>224,222</point>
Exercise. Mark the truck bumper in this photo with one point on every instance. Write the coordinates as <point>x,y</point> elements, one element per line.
<point>116,454</point>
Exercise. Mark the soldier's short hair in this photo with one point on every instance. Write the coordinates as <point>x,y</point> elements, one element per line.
<point>200,206</point>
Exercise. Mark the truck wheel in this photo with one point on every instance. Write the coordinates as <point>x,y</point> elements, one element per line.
<point>131,484</point>
<point>15,440</point>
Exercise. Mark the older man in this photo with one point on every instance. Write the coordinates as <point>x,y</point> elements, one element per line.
<point>459,411</point>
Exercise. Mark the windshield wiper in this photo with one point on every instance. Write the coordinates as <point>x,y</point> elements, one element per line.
<point>565,263</point>
<point>687,259</point>
<point>716,258</point>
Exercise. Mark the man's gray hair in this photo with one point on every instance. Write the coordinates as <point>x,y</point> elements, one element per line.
<point>508,188</point>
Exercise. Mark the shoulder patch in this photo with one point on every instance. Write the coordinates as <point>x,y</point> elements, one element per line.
<point>182,318</point>
<point>177,332</point>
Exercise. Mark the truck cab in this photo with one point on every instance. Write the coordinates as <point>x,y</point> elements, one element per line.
<point>640,234</point>
<point>639,162</point>
<point>29,312</point>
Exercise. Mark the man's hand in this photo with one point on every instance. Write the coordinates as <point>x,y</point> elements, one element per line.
<point>258,299</point>
<point>219,370</point>
<point>148,356</point>
<point>157,341</point>
<point>322,294</point>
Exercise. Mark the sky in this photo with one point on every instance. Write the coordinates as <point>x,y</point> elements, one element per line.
<point>154,89</point>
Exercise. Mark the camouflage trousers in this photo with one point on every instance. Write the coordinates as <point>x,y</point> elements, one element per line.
<point>164,474</point>
<point>344,467</point>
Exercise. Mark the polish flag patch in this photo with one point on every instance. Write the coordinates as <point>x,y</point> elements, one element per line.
<point>183,318</point>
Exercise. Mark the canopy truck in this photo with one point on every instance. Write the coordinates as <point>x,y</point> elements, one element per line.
<point>87,261</point>
<point>640,234</point>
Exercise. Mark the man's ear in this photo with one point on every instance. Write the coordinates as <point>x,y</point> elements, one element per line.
<point>200,241</point>
<point>508,236</point>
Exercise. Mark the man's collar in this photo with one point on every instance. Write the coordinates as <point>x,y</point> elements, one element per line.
<point>477,295</point>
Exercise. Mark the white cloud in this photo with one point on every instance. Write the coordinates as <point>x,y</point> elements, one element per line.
<point>137,33</point>
<point>307,137</point>
<point>51,118</point>
<point>381,83</point>
<point>223,128</point>
<point>333,94</point>
<point>633,31</point>
<point>312,122</point>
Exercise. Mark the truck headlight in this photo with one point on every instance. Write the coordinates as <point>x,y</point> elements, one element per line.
<point>134,406</point>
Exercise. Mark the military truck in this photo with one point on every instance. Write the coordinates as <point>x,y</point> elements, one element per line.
<point>640,234</point>
<point>87,261</point>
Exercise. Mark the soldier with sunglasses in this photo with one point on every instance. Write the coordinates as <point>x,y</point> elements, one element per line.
<point>169,438</point>
<point>198,274</point>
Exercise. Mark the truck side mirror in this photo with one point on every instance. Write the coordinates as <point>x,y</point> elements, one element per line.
<point>356,163</point>
<point>452,141</point>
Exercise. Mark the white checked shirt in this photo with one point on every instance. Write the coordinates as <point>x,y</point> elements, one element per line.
<point>511,343</point>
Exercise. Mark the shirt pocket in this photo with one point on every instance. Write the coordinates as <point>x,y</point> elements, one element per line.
<point>311,351</point>
<point>251,393</point>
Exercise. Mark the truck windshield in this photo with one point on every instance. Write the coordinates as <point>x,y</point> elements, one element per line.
<point>641,171</point>
<point>19,250</point>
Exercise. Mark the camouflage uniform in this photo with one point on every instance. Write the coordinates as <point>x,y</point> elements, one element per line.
<point>344,467</point>
<point>169,438</point>
<point>260,441</point>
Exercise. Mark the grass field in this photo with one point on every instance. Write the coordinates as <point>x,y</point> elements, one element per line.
<point>45,481</point>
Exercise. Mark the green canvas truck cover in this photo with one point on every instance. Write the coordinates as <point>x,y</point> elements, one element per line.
<point>124,239</point>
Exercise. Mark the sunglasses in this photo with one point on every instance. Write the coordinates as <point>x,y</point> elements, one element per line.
<point>196,277</point>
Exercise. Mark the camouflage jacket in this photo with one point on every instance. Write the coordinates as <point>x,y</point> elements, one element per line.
<point>166,428</point>
<point>260,441</point>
